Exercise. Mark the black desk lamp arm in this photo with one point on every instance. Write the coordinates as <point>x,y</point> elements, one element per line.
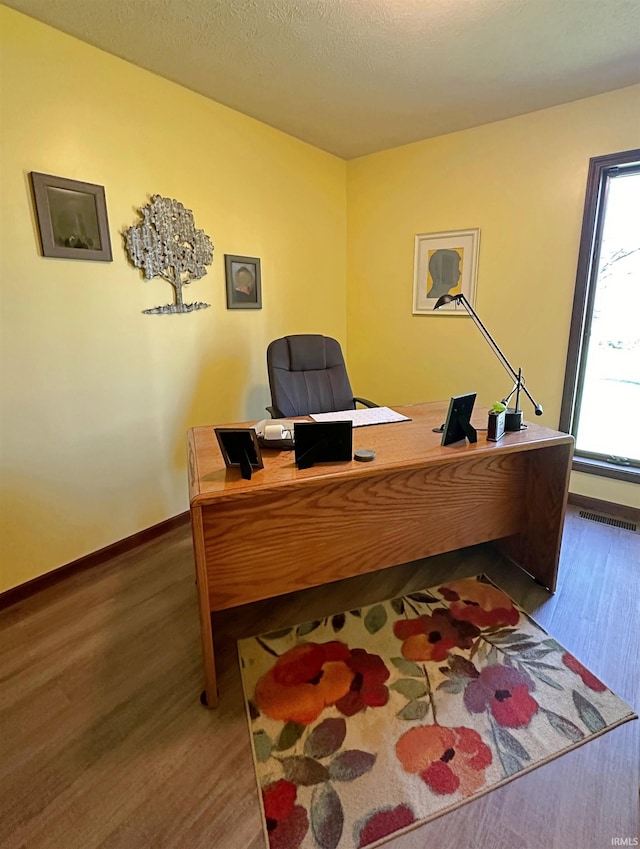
<point>521,385</point>
<point>494,345</point>
<point>515,376</point>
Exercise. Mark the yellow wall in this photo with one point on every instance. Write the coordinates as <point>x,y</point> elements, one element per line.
<point>522,182</point>
<point>97,397</point>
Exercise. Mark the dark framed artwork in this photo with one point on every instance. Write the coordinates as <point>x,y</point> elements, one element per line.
<point>72,218</point>
<point>244,283</point>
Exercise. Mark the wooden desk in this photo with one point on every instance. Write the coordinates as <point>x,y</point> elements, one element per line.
<point>288,529</point>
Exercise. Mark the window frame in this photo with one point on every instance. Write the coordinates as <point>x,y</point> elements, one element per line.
<point>601,168</point>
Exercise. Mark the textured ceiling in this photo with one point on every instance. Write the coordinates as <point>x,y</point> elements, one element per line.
<point>357,76</point>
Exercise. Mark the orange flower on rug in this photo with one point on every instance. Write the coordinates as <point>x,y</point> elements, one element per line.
<point>371,722</point>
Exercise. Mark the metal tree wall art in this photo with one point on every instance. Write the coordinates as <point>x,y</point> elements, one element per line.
<point>166,244</point>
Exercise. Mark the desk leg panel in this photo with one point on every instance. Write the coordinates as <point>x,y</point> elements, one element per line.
<point>536,548</point>
<point>206,631</point>
<point>327,529</point>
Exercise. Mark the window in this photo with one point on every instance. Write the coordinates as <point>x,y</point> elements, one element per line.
<point>601,400</point>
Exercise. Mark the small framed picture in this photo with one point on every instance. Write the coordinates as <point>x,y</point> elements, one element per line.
<point>244,284</point>
<point>458,423</point>
<point>72,218</point>
<point>239,447</point>
<point>444,264</point>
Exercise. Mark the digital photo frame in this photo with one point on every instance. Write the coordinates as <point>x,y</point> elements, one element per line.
<point>239,447</point>
<point>322,442</point>
<point>458,423</point>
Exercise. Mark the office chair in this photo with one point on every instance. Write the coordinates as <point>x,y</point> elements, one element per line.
<point>307,374</point>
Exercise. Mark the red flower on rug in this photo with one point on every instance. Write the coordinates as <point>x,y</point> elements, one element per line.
<point>482,604</point>
<point>446,759</point>
<point>505,692</point>
<point>367,688</point>
<point>588,678</point>
<point>312,676</point>
<point>382,823</point>
<point>431,637</point>
<point>287,823</point>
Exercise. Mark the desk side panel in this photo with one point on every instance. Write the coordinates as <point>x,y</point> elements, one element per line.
<point>536,548</point>
<point>298,537</point>
<point>202,585</point>
<point>192,465</point>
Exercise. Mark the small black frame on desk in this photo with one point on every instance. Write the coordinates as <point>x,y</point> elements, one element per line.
<point>322,442</point>
<point>458,423</point>
<point>239,447</point>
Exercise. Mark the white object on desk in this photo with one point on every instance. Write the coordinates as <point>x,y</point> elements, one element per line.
<point>274,429</point>
<point>362,418</point>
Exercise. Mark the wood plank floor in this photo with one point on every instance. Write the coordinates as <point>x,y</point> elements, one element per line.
<point>103,742</point>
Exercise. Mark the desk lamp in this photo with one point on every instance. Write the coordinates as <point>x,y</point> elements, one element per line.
<point>513,419</point>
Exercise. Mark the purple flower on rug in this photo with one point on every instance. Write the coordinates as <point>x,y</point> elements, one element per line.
<point>287,823</point>
<point>382,823</point>
<point>446,759</point>
<point>588,678</point>
<point>505,692</point>
<point>482,604</point>
<point>431,637</point>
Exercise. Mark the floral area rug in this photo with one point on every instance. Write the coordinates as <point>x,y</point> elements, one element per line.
<point>371,722</point>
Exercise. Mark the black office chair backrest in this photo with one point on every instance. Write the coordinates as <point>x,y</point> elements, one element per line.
<point>307,375</point>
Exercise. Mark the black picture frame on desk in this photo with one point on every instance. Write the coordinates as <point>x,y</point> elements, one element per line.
<point>322,442</point>
<point>239,447</point>
<point>458,422</point>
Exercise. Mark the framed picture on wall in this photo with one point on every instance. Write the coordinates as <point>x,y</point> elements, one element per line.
<point>445,264</point>
<point>244,283</point>
<point>72,218</point>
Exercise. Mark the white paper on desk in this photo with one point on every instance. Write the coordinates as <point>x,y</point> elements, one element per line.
<point>362,418</point>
